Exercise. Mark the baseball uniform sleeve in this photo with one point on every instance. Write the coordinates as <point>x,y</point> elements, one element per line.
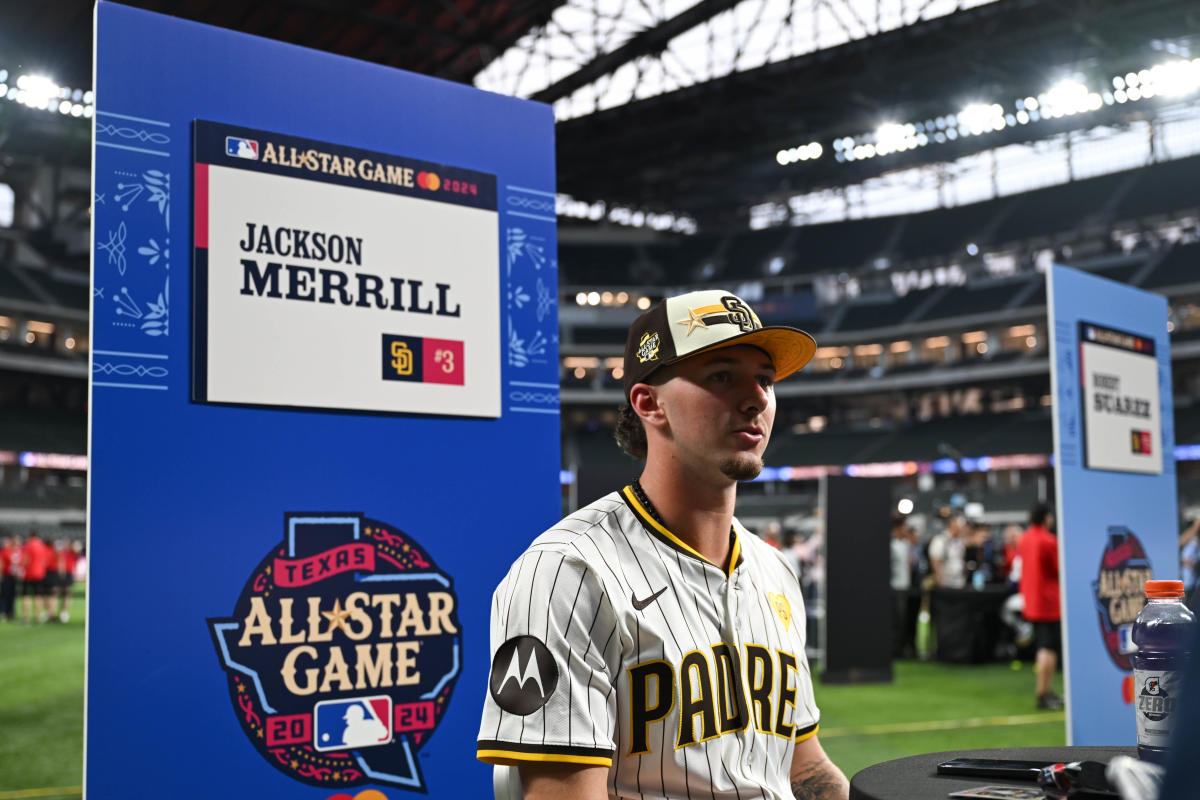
<point>555,651</point>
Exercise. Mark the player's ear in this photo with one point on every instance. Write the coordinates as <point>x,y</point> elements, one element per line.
<point>643,399</point>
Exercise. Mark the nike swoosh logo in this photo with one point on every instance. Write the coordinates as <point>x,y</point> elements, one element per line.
<point>640,604</point>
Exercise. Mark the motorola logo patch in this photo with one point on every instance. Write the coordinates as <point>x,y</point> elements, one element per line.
<point>523,675</point>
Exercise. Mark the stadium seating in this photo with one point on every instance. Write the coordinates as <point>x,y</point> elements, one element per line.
<point>1162,189</point>
<point>883,313</point>
<point>12,287</point>
<point>596,265</point>
<point>966,300</point>
<point>751,251</point>
<point>947,230</point>
<point>42,431</point>
<point>1179,266</point>
<point>1058,209</point>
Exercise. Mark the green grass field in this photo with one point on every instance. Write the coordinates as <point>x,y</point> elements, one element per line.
<point>41,707</point>
<point>929,707</point>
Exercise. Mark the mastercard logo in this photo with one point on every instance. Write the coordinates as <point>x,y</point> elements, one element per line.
<point>429,180</point>
<point>365,794</point>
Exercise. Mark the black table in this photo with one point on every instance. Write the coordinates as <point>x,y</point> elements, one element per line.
<point>916,778</point>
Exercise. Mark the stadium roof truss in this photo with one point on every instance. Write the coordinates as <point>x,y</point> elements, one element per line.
<point>597,54</point>
<point>765,75</point>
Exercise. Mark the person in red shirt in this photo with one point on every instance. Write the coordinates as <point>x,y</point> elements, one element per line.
<point>1038,551</point>
<point>9,548</point>
<point>65,558</point>
<point>36,557</point>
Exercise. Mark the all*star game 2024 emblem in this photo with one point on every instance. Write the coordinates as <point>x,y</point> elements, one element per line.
<point>1119,589</point>
<point>342,652</point>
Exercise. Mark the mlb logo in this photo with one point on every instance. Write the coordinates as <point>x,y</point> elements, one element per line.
<point>241,148</point>
<point>352,723</point>
<point>1125,640</point>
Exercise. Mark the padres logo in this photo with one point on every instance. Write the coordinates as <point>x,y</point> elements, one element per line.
<point>342,652</point>
<point>648,347</point>
<point>740,314</point>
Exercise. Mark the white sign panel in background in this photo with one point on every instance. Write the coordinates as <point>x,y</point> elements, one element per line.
<point>1122,422</point>
<point>324,332</point>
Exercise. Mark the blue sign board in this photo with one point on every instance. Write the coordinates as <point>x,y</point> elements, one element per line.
<point>1115,469</point>
<point>324,413</point>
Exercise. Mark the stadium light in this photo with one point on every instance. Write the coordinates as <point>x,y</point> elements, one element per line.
<point>1175,78</point>
<point>38,90</point>
<point>893,137</point>
<point>978,118</point>
<point>806,152</point>
<point>42,93</point>
<point>1068,97</point>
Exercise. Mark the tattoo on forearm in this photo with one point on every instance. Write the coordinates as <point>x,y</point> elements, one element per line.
<point>818,780</point>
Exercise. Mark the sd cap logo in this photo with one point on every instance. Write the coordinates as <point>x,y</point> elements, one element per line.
<point>730,311</point>
<point>740,314</point>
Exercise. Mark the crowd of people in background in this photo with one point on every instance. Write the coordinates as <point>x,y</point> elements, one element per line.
<point>36,578</point>
<point>954,552</point>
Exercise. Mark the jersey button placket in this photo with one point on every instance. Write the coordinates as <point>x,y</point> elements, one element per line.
<point>734,625</point>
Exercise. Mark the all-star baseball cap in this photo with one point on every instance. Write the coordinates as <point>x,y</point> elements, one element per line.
<point>689,324</point>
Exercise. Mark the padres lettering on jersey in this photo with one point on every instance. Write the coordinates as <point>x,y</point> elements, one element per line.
<point>615,643</point>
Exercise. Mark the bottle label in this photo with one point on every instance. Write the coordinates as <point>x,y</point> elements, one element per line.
<point>1156,695</point>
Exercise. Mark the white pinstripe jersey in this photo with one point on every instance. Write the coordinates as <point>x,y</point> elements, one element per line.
<point>614,643</point>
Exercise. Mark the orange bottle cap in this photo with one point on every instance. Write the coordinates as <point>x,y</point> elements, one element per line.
<point>1160,589</point>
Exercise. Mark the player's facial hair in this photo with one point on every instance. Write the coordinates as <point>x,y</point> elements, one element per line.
<point>742,469</point>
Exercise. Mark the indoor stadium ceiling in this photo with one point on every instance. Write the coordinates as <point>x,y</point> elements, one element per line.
<point>450,39</point>
<point>709,149</point>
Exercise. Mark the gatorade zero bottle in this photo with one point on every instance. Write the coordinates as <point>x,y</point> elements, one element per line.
<point>1163,635</point>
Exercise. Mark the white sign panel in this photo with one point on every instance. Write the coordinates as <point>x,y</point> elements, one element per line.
<point>334,278</point>
<point>1121,416</point>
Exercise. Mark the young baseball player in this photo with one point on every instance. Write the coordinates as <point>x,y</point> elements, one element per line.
<point>648,645</point>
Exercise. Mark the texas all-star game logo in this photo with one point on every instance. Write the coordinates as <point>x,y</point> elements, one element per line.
<point>342,652</point>
<point>1120,592</point>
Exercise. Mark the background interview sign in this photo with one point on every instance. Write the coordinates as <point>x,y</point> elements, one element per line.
<point>324,413</point>
<point>1115,478</point>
